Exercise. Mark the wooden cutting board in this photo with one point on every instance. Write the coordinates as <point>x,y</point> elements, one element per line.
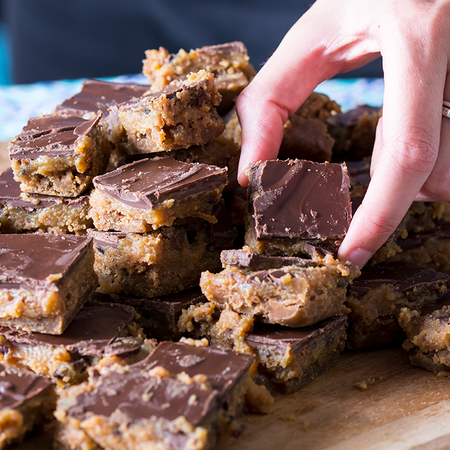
<point>403,407</point>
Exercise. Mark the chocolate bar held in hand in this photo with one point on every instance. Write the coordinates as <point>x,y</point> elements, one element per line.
<point>293,201</point>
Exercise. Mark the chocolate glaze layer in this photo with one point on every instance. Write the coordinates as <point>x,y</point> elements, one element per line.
<point>10,194</point>
<point>403,275</point>
<point>223,368</point>
<point>244,258</point>
<point>26,260</point>
<point>140,396</point>
<point>279,339</point>
<point>442,305</point>
<point>92,332</point>
<point>299,199</point>
<point>146,183</point>
<point>50,135</point>
<point>18,386</point>
<point>98,95</point>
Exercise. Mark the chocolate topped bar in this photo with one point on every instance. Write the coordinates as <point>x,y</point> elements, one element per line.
<point>92,332</point>
<point>280,339</point>
<point>98,95</point>
<point>223,368</point>
<point>159,316</point>
<point>147,183</point>
<point>18,386</point>
<point>136,395</point>
<point>299,199</point>
<point>50,135</point>
<point>403,275</point>
<point>22,258</point>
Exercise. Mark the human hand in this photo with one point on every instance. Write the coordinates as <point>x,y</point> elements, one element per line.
<point>411,157</point>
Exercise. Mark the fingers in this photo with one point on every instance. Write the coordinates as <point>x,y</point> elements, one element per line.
<point>437,186</point>
<point>309,54</point>
<point>407,150</point>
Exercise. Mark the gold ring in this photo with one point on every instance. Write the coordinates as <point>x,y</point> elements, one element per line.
<point>446,109</point>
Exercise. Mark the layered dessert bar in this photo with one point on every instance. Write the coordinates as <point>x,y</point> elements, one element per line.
<point>159,316</point>
<point>20,212</point>
<point>150,193</point>
<point>98,331</point>
<point>428,335</point>
<point>225,370</point>
<point>376,297</point>
<point>290,291</point>
<point>45,279</point>
<point>58,155</point>
<point>26,401</point>
<point>134,409</point>
<point>290,358</point>
<point>228,62</point>
<point>100,95</point>
<point>295,201</point>
<point>305,133</point>
<point>286,358</point>
<point>161,262</point>
<point>180,115</point>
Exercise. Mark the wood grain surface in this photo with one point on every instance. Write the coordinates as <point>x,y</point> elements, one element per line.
<point>403,407</point>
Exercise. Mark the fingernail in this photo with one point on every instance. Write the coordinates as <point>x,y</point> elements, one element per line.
<point>359,257</point>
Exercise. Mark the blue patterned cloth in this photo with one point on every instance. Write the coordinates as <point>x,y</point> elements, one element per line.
<point>18,103</point>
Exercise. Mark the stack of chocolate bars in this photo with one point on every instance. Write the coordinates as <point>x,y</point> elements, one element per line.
<point>147,300</point>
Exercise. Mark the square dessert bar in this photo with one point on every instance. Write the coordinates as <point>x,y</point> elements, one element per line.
<point>226,371</point>
<point>21,212</point>
<point>428,335</point>
<point>159,316</point>
<point>58,155</point>
<point>136,409</point>
<point>99,330</point>
<point>161,262</point>
<point>99,95</point>
<point>293,201</point>
<point>229,63</point>
<point>376,297</point>
<point>290,358</point>
<point>26,401</point>
<point>180,115</point>
<point>45,279</point>
<point>286,358</point>
<point>150,193</point>
<point>295,292</point>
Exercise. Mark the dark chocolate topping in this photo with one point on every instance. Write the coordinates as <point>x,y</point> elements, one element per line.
<point>50,135</point>
<point>222,367</point>
<point>279,339</point>
<point>416,239</point>
<point>244,258</point>
<point>227,48</point>
<point>92,332</point>
<point>17,386</point>
<point>146,183</point>
<point>10,193</point>
<point>26,260</point>
<point>403,275</point>
<point>100,95</point>
<point>223,232</point>
<point>300,199</point>
<point>359,172</point>
<point>351,118</point>
<point>140,396</point>
<point>106,238</point>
